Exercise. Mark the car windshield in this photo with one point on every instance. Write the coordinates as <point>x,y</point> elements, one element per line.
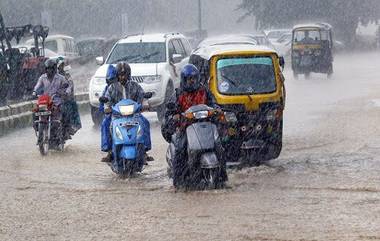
<point>307,36</point>
<point>138,53</point>
<point>52,45</point>
<point>246,75</point>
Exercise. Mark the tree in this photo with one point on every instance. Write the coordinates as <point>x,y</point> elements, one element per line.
<point>344,15</point>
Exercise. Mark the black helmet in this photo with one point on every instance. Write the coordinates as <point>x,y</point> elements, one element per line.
<point>50,63</point>
<point>123,69</point>
<point>190,78</point>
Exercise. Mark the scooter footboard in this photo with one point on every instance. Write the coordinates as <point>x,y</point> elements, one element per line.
<point>209,160</point>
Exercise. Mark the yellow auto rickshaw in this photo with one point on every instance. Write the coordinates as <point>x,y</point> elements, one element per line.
<point>312,49</point>
<point>247,82</point>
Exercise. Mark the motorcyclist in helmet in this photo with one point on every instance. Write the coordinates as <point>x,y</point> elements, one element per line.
<point>53,84</point>
<point>190,93</point>
<point>125,88</point>
<point>71,117</point>
<point>106,140</point>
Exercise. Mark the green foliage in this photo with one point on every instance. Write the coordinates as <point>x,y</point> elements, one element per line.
<point>344,15</point>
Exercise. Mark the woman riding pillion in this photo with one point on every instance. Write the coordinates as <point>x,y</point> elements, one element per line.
<point>71,117</point>
<point>106,141</point>
<point>125,88</point>
<point>190,93</point>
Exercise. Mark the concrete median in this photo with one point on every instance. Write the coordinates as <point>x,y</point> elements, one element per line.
<point>19,115</point>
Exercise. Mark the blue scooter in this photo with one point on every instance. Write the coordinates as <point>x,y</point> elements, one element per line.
<point>128,149</point>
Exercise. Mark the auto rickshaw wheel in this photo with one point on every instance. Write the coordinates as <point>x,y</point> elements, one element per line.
<point>330,71</point>
<point>274,145</point>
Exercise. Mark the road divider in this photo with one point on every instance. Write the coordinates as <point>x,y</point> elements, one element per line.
<point>16,116</point>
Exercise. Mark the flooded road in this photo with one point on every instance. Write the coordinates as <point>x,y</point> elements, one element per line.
<point>324,186</point>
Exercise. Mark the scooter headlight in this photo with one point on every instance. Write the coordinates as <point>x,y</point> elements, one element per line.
<point>118,133</point>
<point>126,110</point>
<point>201,114</point>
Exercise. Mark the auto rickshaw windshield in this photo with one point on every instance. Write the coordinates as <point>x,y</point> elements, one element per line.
<point>307,36</point>
<point>246,75</point>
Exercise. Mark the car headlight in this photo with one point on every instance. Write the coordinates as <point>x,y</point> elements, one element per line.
<point>118,133</point>
<point>98,81</point>
<point>152,79</point>
<point>126,110</point>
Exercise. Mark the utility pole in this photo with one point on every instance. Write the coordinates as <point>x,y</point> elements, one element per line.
<point>199,16</point>
<point>4,33</point>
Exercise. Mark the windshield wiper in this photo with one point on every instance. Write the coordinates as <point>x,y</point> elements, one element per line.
<point>126,58</point>
<point>150,55</point>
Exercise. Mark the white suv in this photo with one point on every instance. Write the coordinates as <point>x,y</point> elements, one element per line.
<point>155,60</point>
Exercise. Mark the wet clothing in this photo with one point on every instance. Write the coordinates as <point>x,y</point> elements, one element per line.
<point>106,141</point>
<point>70,112</point>
<point>182,101</point>
<point>54,88</point>
<point>116,92</point>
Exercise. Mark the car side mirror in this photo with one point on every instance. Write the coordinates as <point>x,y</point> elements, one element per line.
<point>282,62</point>
<point>148,95</point>
<point>176,58</point>
<point>99,60</point>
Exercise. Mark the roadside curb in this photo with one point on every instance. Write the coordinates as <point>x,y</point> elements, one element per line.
<point>19,115</point>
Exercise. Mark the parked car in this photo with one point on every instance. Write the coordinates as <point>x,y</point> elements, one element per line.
<point>283,44</point>
<point>91,47</point>
<point>27,49</point>
<point>230,39</point>
<point>63,45</point>
<point>155,60</point>
<point>262,39</point>
<point>275,34</point>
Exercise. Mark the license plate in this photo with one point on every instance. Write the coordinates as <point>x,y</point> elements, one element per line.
<point>43,113</point>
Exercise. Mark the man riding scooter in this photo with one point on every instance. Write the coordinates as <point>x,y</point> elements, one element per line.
<point>190,93</point>
<point>125,88</point>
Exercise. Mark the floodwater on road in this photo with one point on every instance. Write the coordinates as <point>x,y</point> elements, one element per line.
<point>324,186</point>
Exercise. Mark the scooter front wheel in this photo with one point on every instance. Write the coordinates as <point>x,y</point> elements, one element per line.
<point>212,178</point>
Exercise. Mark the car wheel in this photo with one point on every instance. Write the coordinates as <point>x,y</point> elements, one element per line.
<point>96,116</point>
